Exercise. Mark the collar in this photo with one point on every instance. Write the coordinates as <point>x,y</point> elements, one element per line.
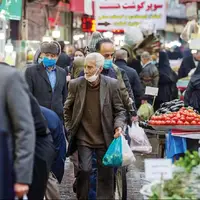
<point>120,61</point>
<point>50,69</point>
<point>146,64</point>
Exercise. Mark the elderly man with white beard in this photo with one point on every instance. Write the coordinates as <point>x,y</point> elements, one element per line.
<point>94,115</point>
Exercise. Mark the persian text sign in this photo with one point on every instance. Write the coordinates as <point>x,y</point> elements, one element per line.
<point>13,8</point>
<point>114,15</point>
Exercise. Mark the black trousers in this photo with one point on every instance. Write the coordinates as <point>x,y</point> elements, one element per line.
<point>105,175</point>
<point>44,156</point>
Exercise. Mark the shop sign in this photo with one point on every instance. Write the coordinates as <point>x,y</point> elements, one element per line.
<point>176,10</point>
<point>115,14</point>
<point>157,169</point>
<point>13,8</point>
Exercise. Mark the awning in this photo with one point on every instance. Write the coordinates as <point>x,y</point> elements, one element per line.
<point>81,6</point>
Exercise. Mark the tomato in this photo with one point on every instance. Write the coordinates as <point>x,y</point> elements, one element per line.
<point>175,119</point>
<point>158,122</point>
<point>198,123</point>
<point>162,123</point>
<point>194,122</point>
<point>182,118</point>
<point>169,116</point>
<point>197,119</point>
<point>189,119</point>
<point>168,122</point>
<point>183,108</point>
<point>186,123</point>
<point>190,110</point>
<point>180,122</point>
<point>153,117</point>
<point>173,122</point>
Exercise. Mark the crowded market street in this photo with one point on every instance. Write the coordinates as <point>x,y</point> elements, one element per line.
<point>100,100</point>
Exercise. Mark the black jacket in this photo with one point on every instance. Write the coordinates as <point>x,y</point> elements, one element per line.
<point>134,80</point>
<point>167,81</point>
<point>63,61</point>
<point>40,87</point>
<point>44,153</point>
<point>186,66</point>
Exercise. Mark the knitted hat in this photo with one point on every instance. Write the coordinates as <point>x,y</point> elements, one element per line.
<point>96,36</point>
<point>50,47</point>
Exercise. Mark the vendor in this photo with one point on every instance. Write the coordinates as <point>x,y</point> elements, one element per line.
<point>190,62</point>
<point>192,98</point>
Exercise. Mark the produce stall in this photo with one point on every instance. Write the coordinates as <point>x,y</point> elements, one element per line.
<point>172,124</point>
<point>185,182</point>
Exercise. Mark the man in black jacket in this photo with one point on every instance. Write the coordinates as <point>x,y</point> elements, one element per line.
<point>44,153</point>
<point>121,58</point>
<point>47,81</point>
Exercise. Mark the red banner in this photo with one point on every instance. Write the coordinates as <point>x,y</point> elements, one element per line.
<point>77,6</point>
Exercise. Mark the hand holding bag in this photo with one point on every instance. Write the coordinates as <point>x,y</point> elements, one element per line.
<point>118,153</point>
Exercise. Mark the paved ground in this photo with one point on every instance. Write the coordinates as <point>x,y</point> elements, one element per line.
<point>135,178</point>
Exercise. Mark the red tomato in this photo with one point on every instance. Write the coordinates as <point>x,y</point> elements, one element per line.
<point>198,123</point>
<point>182,118</point>
<point>153,117</point>
<point>180,122</point>
<point>194,122</point>
<point>162,123</point>
<point>186,123</point>
<point>197,119</point>
<point>169,116</point>
<point>168,122</point>
<point>173,122</point>
<point>189,119</point>
<point>183,108</point>
<point>175,119</point>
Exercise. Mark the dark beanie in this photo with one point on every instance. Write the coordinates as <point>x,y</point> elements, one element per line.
<point>49,47</point>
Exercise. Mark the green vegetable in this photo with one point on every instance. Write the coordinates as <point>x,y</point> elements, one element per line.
<point>189,161</point>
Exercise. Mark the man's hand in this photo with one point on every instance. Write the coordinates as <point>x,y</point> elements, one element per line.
<point>118,132</point>
<point>68,78</point>
<point>20,189</point>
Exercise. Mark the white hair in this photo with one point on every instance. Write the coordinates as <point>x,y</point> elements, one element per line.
<point>97,57</point>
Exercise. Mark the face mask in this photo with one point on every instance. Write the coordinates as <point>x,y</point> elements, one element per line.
<point>107,64</point>
<point>49,62</point>
<point>92,78</point>
<point>153,62</point>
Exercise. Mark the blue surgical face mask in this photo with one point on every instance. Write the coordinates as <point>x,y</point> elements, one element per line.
<point>154,62</point>
<point>49,62</point>
<point>107,64</point>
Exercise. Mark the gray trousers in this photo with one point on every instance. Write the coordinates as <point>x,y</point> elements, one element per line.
<point>105,175</point>
<point>52,190</point>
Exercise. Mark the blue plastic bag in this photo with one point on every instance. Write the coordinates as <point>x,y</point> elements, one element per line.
<point>175,145</point>
<point>119,153</point>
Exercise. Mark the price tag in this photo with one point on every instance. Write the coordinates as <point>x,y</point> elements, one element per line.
<point>152,91</point>
<point>155,169</point>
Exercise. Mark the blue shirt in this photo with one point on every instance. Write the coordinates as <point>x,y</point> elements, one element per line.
<point>52,78</point>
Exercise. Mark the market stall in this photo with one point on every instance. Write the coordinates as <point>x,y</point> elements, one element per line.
<point>184,183</point>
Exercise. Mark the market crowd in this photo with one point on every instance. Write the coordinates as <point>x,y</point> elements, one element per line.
<point>72,103</point>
